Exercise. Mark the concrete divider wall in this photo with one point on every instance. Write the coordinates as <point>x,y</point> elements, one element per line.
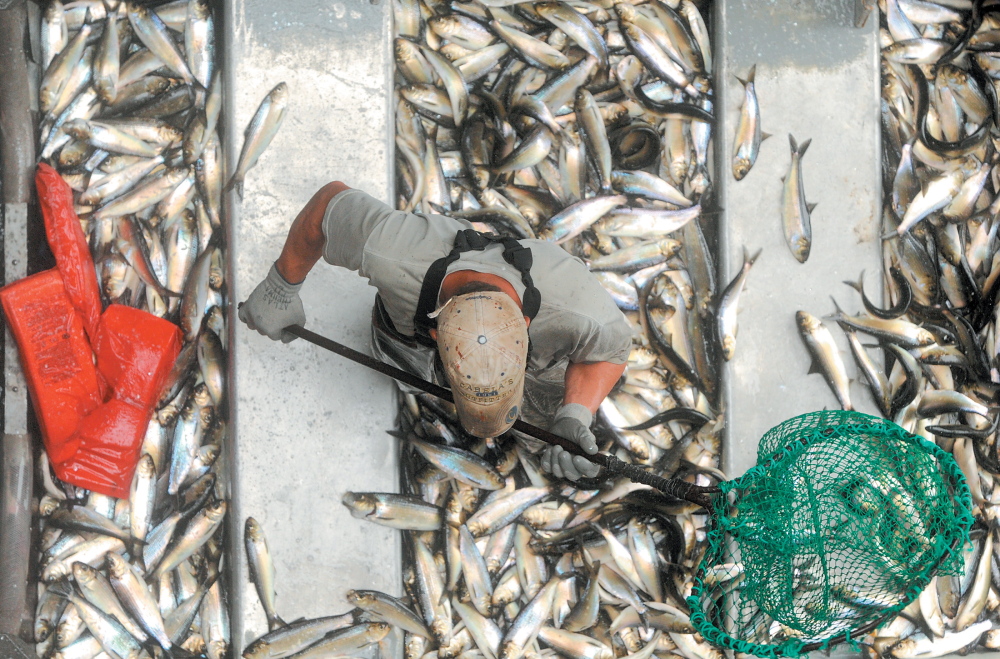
<point>310,425</point>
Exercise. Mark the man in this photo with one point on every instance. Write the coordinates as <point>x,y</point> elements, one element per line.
<point>539,339</point>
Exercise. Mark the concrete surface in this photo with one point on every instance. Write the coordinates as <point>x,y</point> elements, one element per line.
<point>311,426</point>
<point>818,78</point>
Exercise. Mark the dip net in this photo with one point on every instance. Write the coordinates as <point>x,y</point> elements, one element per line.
<point>841,524</point>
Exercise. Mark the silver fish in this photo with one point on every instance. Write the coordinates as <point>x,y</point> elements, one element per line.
<point>795,211</point>
<point>725,315</point>
<point>825,356</point>
<point>748,132</point>
<point>150,29</point>
<point>262,128</point>
<point>261,570</point>
<point>397,511</point>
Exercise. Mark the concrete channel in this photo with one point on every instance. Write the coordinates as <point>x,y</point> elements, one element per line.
<point>817,78</point>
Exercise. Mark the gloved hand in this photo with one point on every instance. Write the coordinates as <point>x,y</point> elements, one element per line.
<point>572,421</point>
<point>274,305</point>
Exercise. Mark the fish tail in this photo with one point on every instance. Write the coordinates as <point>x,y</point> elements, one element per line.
<point>793,143</point>
<point>235,182</point>
<point>274,622</point>
<point>753,73</point>
<point>177,652</point>
<point>135,551</point>
<point>802,147</point>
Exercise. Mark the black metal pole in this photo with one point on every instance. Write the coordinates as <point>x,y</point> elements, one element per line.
<point>673,487</point>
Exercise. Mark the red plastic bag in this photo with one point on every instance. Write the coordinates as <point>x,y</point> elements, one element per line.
<point>135,352</point>
<point>58,362</point>
<point>94,378</point>
<point>69,245</point>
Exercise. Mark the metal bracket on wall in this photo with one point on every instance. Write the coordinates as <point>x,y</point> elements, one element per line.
<point>15,251</point>
<point>12,647</point>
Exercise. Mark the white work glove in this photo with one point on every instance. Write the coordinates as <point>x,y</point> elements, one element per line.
<point>274,305</point>
<point>572,421</point>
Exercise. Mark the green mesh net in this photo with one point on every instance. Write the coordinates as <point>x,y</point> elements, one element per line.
<point>842,522</point>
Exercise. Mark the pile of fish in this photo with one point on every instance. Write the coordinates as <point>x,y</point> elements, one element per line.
<point>129,111</point>
<point>938,333</point>
<point>587,124</point>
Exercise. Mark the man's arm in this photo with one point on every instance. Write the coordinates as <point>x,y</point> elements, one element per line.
<point>305,241</point>
<point>588,384</point>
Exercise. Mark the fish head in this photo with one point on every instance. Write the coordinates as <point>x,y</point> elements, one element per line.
<point>377,631</point>
<point>360,598</point>
<point>83,573</point>
<point>252,529</point>
<point>207,415</point>
<point>477,529</point>
<point>47,505</point>
<point>800,248</point>
<point>217,649</point>
<point>43,628</point>
<point>361,504</point>
<point>146,467</point>
<point>415,647</point>
<point>54,571</point>
<point>259,649</point>
<point>924,338</point>
<point>535,517</point>
<point>405,49</point>
<point>904,649</point>
<point>639,447</point>
<point>444,25</point>
<point>468,496</point>
<point>116,565</point>
<point>728,347</point>
<point>952,75</point>
<point>216,510</point>
<point>440,628</point>
<point>625,11</point>
<point>806,321</point>
<point>200,10</point>
<point>741,167</point>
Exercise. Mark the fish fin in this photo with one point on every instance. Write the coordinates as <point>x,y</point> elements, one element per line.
<point>753,73</point>
<point>792,143</point>
<point>275,622</point>
<point>61,589</point>
<point>742,81</point>
<point>802,147</point>
<point>810,207</point>
<point>893,233</point>
<point>840,312</point>
<point>753,259</point>
<point>782,179</point>
<point>814,367</point>
<point>765,135</point>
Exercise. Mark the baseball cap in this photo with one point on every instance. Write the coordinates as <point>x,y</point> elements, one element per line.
<point>483,343</point>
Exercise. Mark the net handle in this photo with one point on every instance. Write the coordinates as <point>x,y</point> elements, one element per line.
<point>674,487</point>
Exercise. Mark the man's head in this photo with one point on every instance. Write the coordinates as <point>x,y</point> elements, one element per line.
<point>483,343</point>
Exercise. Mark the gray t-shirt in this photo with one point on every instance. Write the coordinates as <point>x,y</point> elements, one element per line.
<point>577,321</point>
